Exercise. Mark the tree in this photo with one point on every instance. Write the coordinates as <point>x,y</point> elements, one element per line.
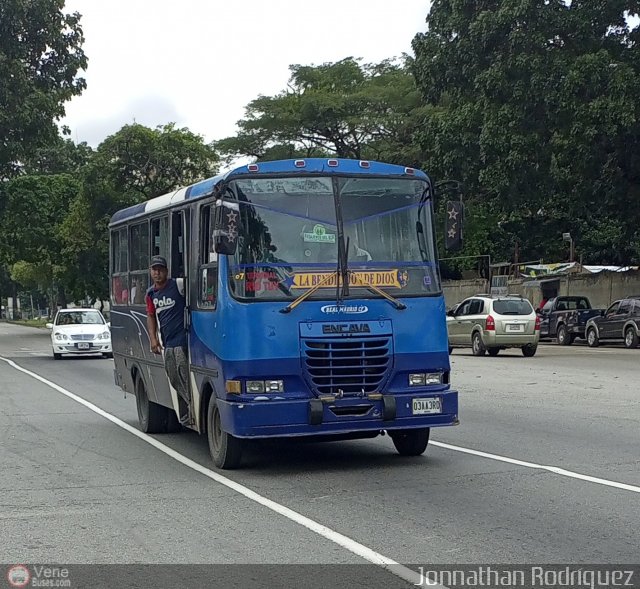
<point>40,56</point>
<point>144,163</point>
<point>61,156</point>
<point>30,231</point>
<point>535,108</point>
<point>129,167</point>
<point>345,109</point>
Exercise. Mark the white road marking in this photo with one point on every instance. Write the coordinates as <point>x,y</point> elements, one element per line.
<point>554,469</point>
<point>356,548</point>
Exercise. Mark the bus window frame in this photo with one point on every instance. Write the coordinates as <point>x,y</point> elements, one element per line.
<point>138,273</point>
<point>207,259</point>
<point>152,247</point>
<point>120,275</point>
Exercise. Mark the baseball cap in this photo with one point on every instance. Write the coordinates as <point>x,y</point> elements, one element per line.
<point>158,261</point>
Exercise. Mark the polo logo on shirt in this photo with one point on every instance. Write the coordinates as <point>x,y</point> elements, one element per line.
<point>163,304</point>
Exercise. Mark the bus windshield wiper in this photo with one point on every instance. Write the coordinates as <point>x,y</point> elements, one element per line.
<point>343,269</point>
<point>293,304</point>
<point>361,282</point>
<point>426,196</point>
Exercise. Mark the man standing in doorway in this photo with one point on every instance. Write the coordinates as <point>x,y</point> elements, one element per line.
<point>165,306</point>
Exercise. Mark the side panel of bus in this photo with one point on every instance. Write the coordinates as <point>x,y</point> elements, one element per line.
<point>131,249</point>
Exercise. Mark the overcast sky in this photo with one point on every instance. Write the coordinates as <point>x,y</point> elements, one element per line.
<point>199,62</point>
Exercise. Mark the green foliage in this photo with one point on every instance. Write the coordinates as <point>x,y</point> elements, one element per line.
<point>32,275</point>
<point>143,163</point>
<point>61,156</point>
<point>133,165</point>
<point>40,56</point>
<point>31,230</point>
<point>345,109</point>
<point>536,109</point>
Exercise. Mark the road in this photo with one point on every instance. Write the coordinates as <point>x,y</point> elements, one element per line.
<point>79,488</point>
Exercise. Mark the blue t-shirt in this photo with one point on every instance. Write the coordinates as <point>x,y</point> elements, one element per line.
<point>168,305</point>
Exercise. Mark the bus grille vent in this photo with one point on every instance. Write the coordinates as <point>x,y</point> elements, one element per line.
<point>346,366</point>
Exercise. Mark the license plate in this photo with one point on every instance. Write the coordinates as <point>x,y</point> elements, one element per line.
<point>427,406</point>
<point>513,327</point>
<point>83,346</point>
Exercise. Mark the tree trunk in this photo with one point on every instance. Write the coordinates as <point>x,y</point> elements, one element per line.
<point>14,300</point>
<point>62,296</point>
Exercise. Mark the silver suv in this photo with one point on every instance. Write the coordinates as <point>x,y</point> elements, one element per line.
<point>489,324</point>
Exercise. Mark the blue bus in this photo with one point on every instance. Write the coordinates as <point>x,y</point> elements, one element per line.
<point>314,305</point>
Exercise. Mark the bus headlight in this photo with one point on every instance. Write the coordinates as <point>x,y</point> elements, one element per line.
<point>254,387</point>
<point>273,386</point>
<point>425,378</point>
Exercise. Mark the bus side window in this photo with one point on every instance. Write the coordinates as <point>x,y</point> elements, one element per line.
<point>119,267</point>
<point>177,245</point>
<point>207,262</point>
<point>138,262</point>
<point>160,237</point>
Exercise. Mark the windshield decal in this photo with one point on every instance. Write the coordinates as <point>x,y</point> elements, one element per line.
<point>344,308</point>
<point>284,212</point>
<point>319,235</point>
<point>386,278</point>
<point>235,267</point>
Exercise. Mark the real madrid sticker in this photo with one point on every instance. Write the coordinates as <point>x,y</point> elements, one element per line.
<point>319,235</point>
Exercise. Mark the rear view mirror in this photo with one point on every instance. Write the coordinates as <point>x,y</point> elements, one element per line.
<point>225,227</point>
<point>49,325</point>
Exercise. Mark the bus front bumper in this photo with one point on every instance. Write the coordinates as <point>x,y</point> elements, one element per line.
<point>309,417</point>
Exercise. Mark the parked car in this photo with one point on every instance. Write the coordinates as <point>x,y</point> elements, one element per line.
<point>565,318</point>
<point>489,324</point>
<point>621,321</point>
<point>80,331</point>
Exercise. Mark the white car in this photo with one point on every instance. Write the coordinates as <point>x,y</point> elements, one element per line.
<point>80,331</point>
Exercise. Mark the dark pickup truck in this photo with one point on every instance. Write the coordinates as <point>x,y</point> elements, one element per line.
<point>565,318</point>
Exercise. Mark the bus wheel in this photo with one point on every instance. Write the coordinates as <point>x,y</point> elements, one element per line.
<point>225,449</point>
<point>152,417</point>
<point>411,442</point>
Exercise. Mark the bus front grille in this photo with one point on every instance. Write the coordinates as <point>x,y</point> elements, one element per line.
<point>346,366</point>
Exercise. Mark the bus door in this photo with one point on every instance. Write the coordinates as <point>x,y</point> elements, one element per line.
<point>178,270</point>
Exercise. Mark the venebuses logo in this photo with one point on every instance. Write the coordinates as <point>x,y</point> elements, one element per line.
<point>351,309</point>
<point>18,576</point>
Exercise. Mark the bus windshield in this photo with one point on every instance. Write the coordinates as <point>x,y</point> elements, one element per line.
<point>288,237</point>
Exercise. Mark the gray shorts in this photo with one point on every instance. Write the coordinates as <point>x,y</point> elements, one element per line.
<point>175,363</point>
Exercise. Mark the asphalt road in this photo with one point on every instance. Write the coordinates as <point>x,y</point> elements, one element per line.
<point>76,487</point>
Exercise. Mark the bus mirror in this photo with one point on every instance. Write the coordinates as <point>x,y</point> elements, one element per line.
<point>225,228</point>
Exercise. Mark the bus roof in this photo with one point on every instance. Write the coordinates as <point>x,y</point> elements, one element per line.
<point>328,166</point>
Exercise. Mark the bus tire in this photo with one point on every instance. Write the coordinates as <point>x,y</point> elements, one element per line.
<point>411,442</point>
<point>225,449</point>
<point>152,417</point>
<point>172,425</point>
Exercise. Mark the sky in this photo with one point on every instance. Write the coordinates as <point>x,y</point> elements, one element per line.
<point>198,63</point>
